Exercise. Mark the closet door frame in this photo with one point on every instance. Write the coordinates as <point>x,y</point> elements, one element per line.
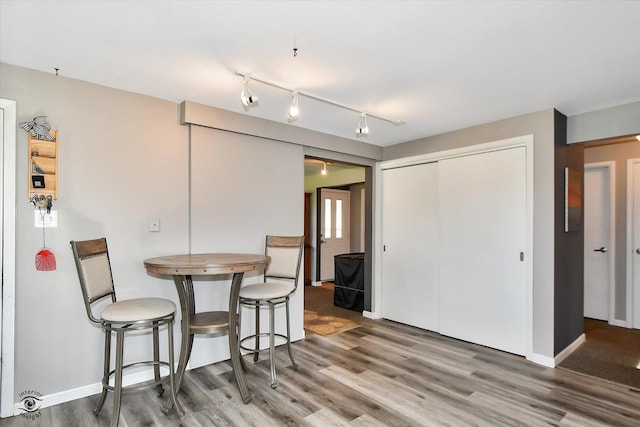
<point>525,141</point>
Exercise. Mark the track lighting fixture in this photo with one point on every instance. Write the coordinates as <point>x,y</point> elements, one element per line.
<point>294,110</point>
<point>362,129</point>
<point>250,100</point>
<point>324,168</point>
<point>247,97</point>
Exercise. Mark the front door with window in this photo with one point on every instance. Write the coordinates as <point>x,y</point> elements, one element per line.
<point>334,229</point>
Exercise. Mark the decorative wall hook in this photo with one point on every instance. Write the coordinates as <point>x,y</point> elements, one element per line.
<point>41,202</point>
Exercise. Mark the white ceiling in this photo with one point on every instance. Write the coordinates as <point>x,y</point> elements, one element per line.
<point>437,65</point>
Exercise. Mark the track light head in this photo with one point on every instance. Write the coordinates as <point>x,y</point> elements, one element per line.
<point>324,168</point>
<point>247,97</point>
<point>362,129</point>
<point>294,110</point>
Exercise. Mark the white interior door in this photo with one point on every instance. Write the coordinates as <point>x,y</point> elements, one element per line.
<point>598,246</point>
<point>410,245</point>
<point>334,229</point>
<point>633,220</point>
<point>482,244</point>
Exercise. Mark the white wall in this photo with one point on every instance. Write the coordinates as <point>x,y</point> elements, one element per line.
<point>242,189</point>
<point>123,158</point>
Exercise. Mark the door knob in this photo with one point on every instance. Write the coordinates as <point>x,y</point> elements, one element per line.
<point>602,249</point>
<point>638,251</point>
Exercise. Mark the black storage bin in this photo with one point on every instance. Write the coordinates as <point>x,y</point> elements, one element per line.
<point>349,281</point>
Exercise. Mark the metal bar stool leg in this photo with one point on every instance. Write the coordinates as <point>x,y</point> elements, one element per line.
<point>118,379</point>
<point>238,333</point>
<point>156,359</point>
<point>257,332</point>
<point>293,362</point>
<point>105,374</point>
<point>172,379</point>
<point>272,344</point>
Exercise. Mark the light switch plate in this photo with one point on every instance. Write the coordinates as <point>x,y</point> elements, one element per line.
<point>46,220</point>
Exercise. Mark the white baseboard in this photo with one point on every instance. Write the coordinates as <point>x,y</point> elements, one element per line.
<point>542,360</point>
<point>316,283</point>
<point>569,349</point>
<point>370,315</point>
<point>621,323</point>
<point>91,389</point>
<point>552,362</point>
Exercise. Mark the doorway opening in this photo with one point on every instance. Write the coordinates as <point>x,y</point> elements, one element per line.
<point>609,159</point>
<point>609,308</point>
<point>338,222</point>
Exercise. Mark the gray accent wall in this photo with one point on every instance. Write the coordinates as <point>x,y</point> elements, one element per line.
<point>569,246</point>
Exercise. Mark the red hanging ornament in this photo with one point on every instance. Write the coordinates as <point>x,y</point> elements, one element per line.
<point>45,260</point>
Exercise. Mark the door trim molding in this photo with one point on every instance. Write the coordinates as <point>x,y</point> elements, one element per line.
<point>631,314</point>
<point>525,141</point>
<point>610,166</point>
<point>7,347</point>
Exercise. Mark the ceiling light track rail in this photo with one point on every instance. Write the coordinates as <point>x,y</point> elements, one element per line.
<point>249,76</point>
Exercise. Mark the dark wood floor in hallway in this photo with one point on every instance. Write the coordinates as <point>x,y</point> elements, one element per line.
<point>381,373</point>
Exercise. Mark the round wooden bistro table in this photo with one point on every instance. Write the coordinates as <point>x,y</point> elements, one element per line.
<point>182,268</point>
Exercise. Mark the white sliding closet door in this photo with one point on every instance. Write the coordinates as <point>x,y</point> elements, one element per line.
<point>410,245</point>
<point>482,201</point>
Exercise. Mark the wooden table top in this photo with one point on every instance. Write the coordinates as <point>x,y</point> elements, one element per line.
<point>206,264</point>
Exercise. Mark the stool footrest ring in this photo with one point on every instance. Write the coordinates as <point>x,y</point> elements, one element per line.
<point>105,381</point>
<point>258,336</point>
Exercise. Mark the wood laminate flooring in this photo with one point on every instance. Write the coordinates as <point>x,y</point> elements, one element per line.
<point>380,374</point>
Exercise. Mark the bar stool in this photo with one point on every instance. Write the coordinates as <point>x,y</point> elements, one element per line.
<point>96,282</point>
<point>286,256</point>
